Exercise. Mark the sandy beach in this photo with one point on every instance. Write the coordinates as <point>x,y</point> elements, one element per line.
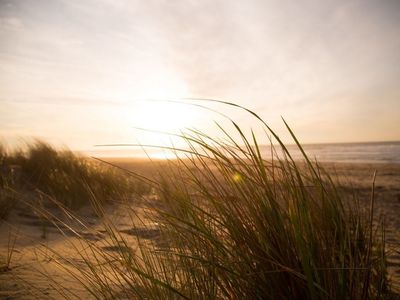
<point>35,272</point>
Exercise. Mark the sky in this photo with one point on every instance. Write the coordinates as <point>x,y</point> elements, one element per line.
<point>80,73</point>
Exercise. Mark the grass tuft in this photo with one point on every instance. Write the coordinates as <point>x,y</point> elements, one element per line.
<point>71,179</point>
<point>238,226</point>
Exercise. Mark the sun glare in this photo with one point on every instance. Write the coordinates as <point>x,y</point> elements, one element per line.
<point>157,108</point>
<point>165,116</point>
<point>160,109</point>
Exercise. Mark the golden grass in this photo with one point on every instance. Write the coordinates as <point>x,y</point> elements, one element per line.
<point>71,179</point>
<point>235,226</point>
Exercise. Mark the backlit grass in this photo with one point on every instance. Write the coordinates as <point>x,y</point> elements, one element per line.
<point>234,225</point>
<point>71,179</point>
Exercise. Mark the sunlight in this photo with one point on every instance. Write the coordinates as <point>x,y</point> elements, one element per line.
<point>162,84</point>
<point>155,106</point>
<point>163,155</point>
<point>165,116</point>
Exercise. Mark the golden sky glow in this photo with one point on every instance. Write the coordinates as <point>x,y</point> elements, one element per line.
<point>77,72</point>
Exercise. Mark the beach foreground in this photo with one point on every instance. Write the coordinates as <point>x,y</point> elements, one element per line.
<point>34,271</point>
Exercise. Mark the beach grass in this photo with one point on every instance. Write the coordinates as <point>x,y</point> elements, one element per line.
<point>7,200</point>
<point>229,224</point>
<point>61,174</point>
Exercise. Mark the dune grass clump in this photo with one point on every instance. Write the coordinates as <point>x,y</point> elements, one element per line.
<point>7,200</point>
<point>248,229</point>
<point>238,226</point>
<point>71,179</point>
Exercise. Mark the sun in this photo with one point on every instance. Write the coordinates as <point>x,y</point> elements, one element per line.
<point>169,115</point>
<point>158,108</point>
<point>161,107</point>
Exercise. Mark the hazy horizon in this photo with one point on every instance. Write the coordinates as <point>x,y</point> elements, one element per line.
<point>362,152</point>
<point>78,73</point>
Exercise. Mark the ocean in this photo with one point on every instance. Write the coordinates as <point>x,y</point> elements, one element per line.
<point>371,152</point>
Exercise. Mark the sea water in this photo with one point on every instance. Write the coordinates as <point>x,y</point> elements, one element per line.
<point>373,152</point>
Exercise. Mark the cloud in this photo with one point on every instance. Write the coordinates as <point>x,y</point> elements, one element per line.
<point>10,23</point>
<point>282,57</point>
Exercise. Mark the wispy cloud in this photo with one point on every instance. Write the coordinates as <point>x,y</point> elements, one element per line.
<point>281,58</point>
<point>10,23</point>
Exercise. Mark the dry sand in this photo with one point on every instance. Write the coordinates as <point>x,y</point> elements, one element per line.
<point>44,251</point>
<point>36,273</point>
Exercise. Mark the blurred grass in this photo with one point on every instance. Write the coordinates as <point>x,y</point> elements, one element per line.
<point>71,179</point>
<point>7,199</point>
